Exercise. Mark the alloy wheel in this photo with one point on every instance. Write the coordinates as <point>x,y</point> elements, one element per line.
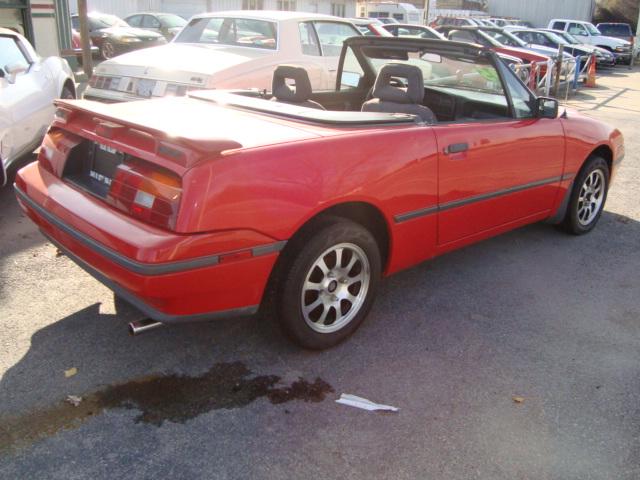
<point>591,197</point>
<point>335,287</point>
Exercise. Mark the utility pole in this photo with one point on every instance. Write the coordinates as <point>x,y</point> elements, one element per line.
<point>85,41</point>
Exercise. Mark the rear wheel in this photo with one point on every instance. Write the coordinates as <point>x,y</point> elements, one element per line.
<point>329,283</point>
<point>587,197</point>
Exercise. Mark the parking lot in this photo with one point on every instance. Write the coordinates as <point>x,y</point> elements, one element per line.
<point>514,358</point>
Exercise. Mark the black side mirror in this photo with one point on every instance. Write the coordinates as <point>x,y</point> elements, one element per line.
<point>547,107</point>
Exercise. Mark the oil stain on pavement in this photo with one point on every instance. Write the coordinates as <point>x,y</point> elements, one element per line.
<point>176,398</point>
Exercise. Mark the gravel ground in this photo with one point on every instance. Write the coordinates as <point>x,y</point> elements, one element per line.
<point>534,314</point>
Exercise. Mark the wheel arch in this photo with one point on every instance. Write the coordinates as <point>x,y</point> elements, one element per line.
<point>603,151</point>
<point>362,212</point>
<point>68,83</point>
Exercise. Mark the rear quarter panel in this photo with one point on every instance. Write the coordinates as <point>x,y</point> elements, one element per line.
<point>275,190</point>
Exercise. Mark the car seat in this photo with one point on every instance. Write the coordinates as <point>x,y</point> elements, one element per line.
<point>393,99</point>
<point>300,94</point>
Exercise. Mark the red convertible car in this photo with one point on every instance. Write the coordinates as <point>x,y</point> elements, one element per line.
<point>215,204</point>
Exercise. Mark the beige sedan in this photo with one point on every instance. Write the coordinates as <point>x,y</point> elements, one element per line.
<point>227,50</point>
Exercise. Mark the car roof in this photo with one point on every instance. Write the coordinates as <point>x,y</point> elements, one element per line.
<point>6,31</point>
<point>273,15</point>
<point>412,25</point>
<point>567,20</point>
<point>152,13</point>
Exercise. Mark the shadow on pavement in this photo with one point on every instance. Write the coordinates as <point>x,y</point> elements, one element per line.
<point>107,358</point>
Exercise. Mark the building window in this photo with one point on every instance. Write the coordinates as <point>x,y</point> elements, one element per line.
<point>252,4</point>
<point>289,5</point>
<point>338,10</point>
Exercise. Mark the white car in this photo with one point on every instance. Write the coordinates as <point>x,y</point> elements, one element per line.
<point>588,33</point>
<point>28,86</point>
<point>227,50</point>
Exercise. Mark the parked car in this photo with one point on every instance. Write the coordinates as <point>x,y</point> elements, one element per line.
<point>28,86</point>
<point>445,21</point>
<point>113,36</point>
<point>166,24</point>
<point>153,198</point>
<point>415,31</point>
<point>76,47</point>
<point>550,40</point>
<point>370,27</point>
<point>479,36</point>
<point>603,56</point>
<point>508,39</point>
<point>588,33</point>
<point>227,50</point>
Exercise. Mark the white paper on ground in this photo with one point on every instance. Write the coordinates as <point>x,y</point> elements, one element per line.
<point>359,402</point>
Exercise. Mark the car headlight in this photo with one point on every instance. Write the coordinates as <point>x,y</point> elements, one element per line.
<point>622,48</point>
<point>129,39</point>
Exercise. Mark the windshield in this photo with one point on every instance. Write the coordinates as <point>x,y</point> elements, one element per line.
<point>244,32</point>
<point>172,21</point>
<point>616,29</point>
<point>570,38</point>
<point>96,22</point>
<point>556,39</point>
<point>447,72</point>
<point>592,30</point>
<point>505,38</point>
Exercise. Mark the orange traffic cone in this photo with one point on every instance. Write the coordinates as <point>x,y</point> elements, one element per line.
<point>591,73</point>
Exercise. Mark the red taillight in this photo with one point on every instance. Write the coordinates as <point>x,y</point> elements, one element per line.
<point>147,192</point>
<point>50,145</point>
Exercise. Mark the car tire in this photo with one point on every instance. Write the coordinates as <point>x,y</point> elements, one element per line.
<point>107,50</point>
<point>588,197</point>
<point>328,283</point>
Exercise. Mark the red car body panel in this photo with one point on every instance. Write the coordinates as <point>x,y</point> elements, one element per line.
<point>251,181</point>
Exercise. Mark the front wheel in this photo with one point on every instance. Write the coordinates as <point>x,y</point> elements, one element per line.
<point>107,50</point>
<point>329,283</point>
<point>587,197</point>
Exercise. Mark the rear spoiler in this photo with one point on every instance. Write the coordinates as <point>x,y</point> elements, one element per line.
<point>98,120</point>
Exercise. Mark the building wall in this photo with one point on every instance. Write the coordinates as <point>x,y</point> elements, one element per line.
<point>187,8</point>
<point>45,30</point>
<point>539,12</point>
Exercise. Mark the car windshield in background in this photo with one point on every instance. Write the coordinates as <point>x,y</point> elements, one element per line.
<point>453,74</point>
<point>592,30</point>
<point>557,39</point>
<point>570,38</point>
<point>244,32</point>
<point>621,30</point>
<point>172,21</point>
<point>96,22</point>
<point>505,39</point>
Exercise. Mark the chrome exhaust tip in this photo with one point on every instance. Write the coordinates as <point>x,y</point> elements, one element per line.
<point>142,326</point>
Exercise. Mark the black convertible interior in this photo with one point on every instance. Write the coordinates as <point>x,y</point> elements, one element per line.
<point>398,88</point>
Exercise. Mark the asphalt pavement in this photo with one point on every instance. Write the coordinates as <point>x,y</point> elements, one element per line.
<point>516,358</point>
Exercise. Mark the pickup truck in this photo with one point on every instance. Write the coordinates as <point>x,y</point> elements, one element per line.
<point>587,32</point>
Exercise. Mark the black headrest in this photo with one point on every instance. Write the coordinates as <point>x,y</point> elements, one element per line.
<point>414,93</point>
<point>282,91</point>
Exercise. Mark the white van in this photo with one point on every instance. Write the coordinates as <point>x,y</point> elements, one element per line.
<point>402,12</point>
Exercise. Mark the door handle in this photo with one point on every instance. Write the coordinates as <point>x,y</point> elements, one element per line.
<point>456,148</point>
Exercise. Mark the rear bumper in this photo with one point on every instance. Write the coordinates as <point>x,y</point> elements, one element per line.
<point>188,289</point>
